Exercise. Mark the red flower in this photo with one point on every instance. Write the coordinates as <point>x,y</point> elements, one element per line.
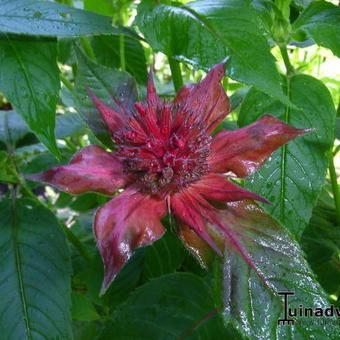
<point>167,160</point>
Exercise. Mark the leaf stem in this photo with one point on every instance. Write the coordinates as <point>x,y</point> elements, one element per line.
<point>289,67</point>
<point>335,186</point>
<point>85,43</point>
<point>176,73</point>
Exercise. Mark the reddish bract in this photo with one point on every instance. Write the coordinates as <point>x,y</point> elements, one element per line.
<point>166,159</point>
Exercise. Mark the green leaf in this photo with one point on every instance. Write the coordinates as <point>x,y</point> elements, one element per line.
<point>69,124</point>
<point>292,178</point>
<point>125,282</point>
<point>321,243</point>
<point>210,31</point>
<point>51,19</point>
<point>106,49</point>
<point>29,78</point>
<point>105,83</point>
<point>82,308</point>
<point>174,306</point>
<point>321,22</point>
<point>337,128</point>
<point>8,172</point>
<point>163,256</point>
<point>12,128</point>
<point>35,274</point>
<point>261,260</point>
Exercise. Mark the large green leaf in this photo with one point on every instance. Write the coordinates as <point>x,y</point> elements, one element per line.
<point>35,274</point>
<point>292,178</point>
<point>50,19</point>
<point>29,78</point>
<point>107,52</point>
<point>206,32</point>
<point>174,306</point>
<point>321,22</point>
<point>261,260</point>
<point>106,83</point>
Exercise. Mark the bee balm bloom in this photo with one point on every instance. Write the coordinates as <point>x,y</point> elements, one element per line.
<point>165,160</point>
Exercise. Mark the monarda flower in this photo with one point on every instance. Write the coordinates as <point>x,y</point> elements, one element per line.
<point>168,162</point>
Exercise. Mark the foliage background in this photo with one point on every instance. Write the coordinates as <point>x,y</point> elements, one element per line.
<point>283,61</point>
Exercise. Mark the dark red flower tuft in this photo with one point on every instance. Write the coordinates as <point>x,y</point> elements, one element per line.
<point>167,159</point>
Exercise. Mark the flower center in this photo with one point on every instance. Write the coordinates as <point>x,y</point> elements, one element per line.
<point>166,150</point>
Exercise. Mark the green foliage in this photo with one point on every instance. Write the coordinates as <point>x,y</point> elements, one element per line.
<point>47,18</point>
<point>105,83</point>
<point>173,306</point>
<point>321,22</point>
<point>280,60</point>
<point>32,85</point>
<point>210,32</point>
<point>35,273</point>
<point>292,179</point>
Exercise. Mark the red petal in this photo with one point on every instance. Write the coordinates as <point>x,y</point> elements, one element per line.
<point>217,188</point>
<point>244,150</point>
<point>91,169</point>
<point>128,221</point>
<point>237,228</point>
<point>152,96</point>
<point>207,99</point>
<point>113,119</point>
<point>192,210</point>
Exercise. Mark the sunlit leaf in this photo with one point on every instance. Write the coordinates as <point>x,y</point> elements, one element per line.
<point>29,78</point>
<point>292,178</point>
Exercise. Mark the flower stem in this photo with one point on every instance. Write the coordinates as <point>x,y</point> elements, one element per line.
<point>335,186</point>
<point>289,67</point>
<point>176,73</point>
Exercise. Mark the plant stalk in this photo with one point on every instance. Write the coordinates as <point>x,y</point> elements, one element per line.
<point>289,67</point>
<point>176,73</point>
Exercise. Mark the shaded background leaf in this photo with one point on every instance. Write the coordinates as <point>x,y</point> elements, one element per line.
<point>174,306</point>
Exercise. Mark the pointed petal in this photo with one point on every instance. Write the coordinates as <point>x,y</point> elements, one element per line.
<point>217,188</point>
<point>195,244</point>
<point>231,229</point>
<point>152,96</point>
<point>206,99</point>
<point>113,119</point>
<point>192,211</point>
<point>91,169</point>
<point>244,150</point>
<point>128,221</point>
